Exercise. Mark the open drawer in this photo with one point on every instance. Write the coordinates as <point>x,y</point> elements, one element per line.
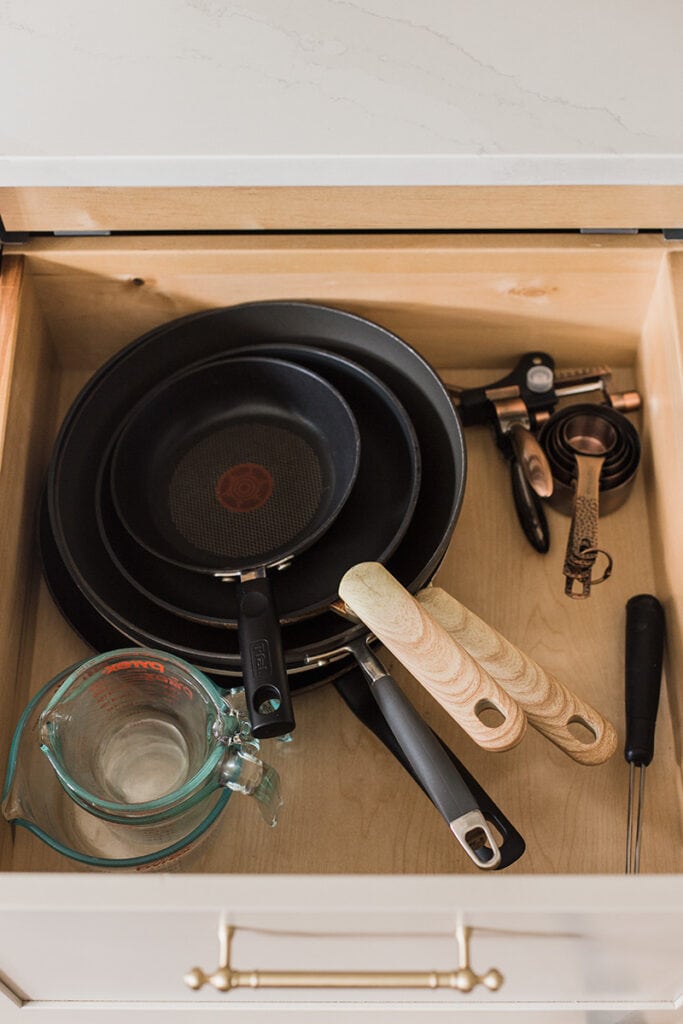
<point>471,305</point>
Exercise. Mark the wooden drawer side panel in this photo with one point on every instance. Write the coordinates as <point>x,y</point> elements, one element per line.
<point>660,374</point>
<point>27,414</point>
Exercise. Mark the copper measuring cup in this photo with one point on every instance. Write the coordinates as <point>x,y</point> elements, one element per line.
<point>593,451</point>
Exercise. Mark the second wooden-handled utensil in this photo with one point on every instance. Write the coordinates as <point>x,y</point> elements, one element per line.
<point>443,667</point>
<point>550,706</point>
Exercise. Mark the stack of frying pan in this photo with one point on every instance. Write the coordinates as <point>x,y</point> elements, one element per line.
<point>320,439</point>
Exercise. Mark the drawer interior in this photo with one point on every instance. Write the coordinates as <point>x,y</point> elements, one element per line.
<point>471,306</point>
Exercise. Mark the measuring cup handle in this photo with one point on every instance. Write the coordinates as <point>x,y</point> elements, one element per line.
<point>269,702</point>
<point>582,542</point>
<point>244,772</point>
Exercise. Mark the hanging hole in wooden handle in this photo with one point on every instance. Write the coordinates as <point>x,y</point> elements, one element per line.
<point>489,715</point>
<point>581,730</point>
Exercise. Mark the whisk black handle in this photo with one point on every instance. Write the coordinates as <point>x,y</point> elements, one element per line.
<point>644,654</point>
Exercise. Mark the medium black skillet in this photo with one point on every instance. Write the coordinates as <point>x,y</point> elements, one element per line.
<point>369,527</point>
<point>230,469</point>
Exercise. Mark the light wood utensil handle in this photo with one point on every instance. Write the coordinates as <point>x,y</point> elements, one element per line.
<point>550,706</point>
<point>438,662</point>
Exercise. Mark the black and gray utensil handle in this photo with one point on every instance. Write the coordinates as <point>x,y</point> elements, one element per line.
<point>356,694</point>
<point>529,509</point>
<point>643,673</point>
<point>436,772</point>
<point>266,687</point>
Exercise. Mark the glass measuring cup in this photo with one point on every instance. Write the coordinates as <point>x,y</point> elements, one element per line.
<point>127,760</point>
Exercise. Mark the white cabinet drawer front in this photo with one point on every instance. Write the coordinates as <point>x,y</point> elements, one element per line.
<point>573,953</point>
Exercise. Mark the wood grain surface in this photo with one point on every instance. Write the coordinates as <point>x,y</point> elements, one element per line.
<point>549,705</point>
<point>445,669</point>
<point>463,207</point>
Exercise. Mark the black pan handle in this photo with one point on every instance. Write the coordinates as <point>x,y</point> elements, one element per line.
<point>529,509</point>
<point>354,691</point>
<point>644,657</point>
<point>439,777</point>
<point>266,687</point>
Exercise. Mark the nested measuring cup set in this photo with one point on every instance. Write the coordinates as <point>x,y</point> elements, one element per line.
<point>210,487</point>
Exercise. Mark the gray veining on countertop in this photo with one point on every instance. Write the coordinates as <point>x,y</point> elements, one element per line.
<point>206,92</point>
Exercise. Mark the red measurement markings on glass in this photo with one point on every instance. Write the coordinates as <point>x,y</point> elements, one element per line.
<point>130,674</point>
<point>108,697</point>
<point>120,665</point>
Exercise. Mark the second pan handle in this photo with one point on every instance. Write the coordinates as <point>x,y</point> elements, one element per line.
<point>438,776</point>
<point>354,690</point>
<point>550,706</point>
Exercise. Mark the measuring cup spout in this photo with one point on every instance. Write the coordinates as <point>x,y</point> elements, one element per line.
<point>243,772</point>
<point>12,804</point>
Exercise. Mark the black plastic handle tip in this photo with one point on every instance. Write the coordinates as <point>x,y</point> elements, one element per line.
<point>645,629</point>
<point>266,686</point>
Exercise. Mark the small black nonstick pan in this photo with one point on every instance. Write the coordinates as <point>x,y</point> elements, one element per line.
<point>369,527</point>
<point>231,469</point>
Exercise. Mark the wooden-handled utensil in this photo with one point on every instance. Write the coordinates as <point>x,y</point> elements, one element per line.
<point>549,705</point>
<point>438,662</point>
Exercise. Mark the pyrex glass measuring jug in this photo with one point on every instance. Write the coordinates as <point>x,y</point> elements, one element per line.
<point>144,751</point>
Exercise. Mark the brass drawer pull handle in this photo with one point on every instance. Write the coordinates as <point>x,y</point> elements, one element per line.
<point>226,978</point>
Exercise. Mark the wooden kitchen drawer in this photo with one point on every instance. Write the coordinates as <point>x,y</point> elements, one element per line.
<point>471,305</point>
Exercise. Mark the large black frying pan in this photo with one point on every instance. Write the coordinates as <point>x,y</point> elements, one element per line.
<point>231,468</point>
<point>95,416</point>
<point>369,527</point>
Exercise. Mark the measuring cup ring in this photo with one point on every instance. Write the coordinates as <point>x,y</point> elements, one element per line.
<point>608,567</point>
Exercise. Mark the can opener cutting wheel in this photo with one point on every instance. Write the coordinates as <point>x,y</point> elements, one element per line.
<point>516,406</point>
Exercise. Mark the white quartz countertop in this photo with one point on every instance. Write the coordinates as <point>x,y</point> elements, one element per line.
<point>340,92</point>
